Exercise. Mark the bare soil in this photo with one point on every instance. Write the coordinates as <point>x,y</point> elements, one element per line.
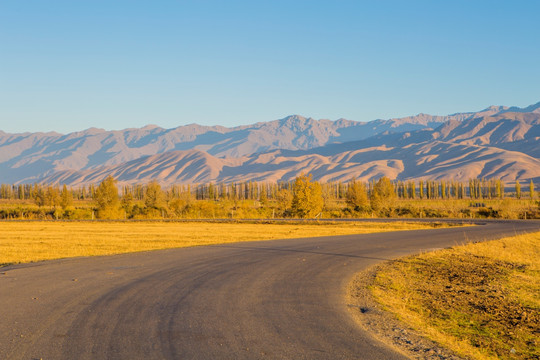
<point>464,296</point>
<point>385,326</point>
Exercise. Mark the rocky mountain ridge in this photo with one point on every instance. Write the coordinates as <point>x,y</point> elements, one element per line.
<point>494,142</point>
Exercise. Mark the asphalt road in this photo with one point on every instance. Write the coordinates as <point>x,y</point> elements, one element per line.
<point>280,299</point>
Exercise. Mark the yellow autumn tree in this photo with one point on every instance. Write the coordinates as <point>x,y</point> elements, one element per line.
<point>383,195</point>
<point>307,197</point>
<point>154,197</point>
<point>357,197</point>
<point>107,199</point>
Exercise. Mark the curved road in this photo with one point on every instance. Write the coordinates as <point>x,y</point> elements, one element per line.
<point>280,299</point>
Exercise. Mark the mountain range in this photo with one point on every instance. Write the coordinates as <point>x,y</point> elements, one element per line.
<point>500,142</point>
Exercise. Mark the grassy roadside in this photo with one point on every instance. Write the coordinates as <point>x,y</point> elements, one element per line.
<point>480,300</point>
<point>22,242</point>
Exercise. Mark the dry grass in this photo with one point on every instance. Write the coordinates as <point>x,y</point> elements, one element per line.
<point>480,300</point>
<point>508,208</point>
<point>22,242</point>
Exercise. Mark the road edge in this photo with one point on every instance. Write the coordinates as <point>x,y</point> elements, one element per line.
<point>384,326</point>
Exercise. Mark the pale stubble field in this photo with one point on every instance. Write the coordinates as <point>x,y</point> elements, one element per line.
<point>30,241</point>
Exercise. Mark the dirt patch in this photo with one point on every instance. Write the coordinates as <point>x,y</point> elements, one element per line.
<point>470,289</point>
<point>385,326</point>
<point>480,300</point>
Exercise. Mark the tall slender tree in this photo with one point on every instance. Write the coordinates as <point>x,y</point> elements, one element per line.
<point>66,198</point>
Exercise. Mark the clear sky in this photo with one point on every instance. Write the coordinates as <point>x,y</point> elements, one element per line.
<point>70,65</point>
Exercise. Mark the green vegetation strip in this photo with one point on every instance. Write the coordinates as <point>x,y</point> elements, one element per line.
<point>480,300</point>
<point>29,241</point>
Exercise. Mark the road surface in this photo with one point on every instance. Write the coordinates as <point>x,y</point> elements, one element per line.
<point>280,299</point>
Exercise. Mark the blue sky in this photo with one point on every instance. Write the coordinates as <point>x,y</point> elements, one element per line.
<point>71,65</point>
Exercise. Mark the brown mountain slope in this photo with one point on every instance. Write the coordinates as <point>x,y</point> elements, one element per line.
<point>428,160</point>
<point>190,166</point>
<point>511,131</point>
<point>497,143</point>
<point>30,156</point>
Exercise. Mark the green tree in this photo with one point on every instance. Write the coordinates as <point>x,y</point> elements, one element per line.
<point>518,190</point>
<point>357,197</point>
<point>66,198</point>
<point>498,192</point>
<point>263,196</point>
<point>412,190</point>
<point>307,197</point>
<point>211,192</point>
<point>443,189</point>
<point>107,199</point>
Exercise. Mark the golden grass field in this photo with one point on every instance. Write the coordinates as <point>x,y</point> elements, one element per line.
<point>30,241</point>
<point>480,300</point>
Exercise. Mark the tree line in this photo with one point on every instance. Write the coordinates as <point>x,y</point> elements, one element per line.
<point>250,190</point>
<point>303,197</point>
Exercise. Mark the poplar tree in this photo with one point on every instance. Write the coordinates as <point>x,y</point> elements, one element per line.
<point>443,189</point>
<point>66,198</point>
<point>222,191</point>
<point>233,191</point>
<point>263,195</point>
